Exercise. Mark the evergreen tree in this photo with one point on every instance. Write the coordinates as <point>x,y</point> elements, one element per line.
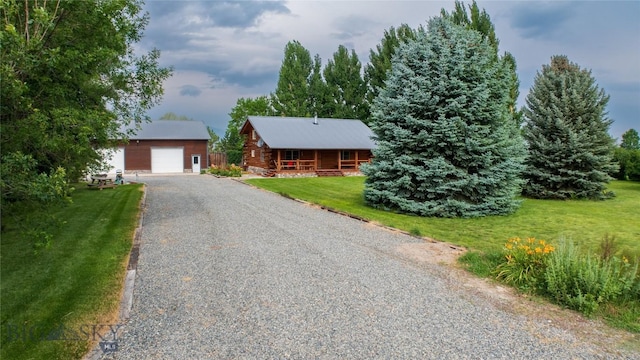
<point>345,86</point>
<point>446,140</point>
<point>566,128</point>
<point>375,72</point>
<point>481,21</point>
<point>291,97</point>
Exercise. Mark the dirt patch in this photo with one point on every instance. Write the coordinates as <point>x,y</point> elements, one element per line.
<point>432,252</point>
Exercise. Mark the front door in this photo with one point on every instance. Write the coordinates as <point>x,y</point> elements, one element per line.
<point>195,163</point>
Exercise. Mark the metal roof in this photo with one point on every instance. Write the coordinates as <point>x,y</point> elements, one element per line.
<point>302,133</point>
<point>171,130</point>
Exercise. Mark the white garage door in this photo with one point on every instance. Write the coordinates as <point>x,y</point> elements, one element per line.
<point>115,160</point>
<point>167,160</point>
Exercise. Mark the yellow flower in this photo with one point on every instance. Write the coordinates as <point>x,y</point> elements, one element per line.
<point>531,240</point>
<point>538,250</point>
<point>508,246</point>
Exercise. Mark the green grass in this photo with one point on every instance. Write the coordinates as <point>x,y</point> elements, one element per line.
<point>75,280</point>
<point>585,222</point>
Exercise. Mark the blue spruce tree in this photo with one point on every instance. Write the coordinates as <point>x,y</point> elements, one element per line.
<point>566,129</point>
<point>447,145</point>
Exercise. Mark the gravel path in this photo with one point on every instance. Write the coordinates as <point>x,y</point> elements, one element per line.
<point>227,271</point>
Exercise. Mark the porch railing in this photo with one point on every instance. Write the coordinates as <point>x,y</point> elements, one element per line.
<point>297,165</point>
<point>352,164</point>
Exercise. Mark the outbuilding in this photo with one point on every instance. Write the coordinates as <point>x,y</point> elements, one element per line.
<point>163,146</point>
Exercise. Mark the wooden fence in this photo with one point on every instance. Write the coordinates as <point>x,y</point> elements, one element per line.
<point>218,160</point>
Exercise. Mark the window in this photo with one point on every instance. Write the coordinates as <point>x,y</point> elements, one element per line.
<point>253,134</point>
<point>291,154</point>
<point>253,153</point>
<point>261,155</point>
<point>345,155</point>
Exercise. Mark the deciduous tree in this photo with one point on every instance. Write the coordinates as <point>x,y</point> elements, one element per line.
<point>566,128</point>
<point>345,87</point>
<point>628,156</point>
<point>446,140</point>
<point>291,97</point>
<point>174,116</point>
<point>319,98</point>
<point>232,142</point>
<point>375,72</point>
<point>630,140</point>
<point>70,80</point>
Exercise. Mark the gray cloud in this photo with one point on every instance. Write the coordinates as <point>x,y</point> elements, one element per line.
<point>190,90</point>
<point>232,14</point>
<point>349,27</point>
<point>243,13</point>
<point>201,35</point>
<point>540,20</point>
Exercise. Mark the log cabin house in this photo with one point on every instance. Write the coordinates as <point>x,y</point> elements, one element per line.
<point>288,146</point>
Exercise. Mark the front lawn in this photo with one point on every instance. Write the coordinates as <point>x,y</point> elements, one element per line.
<point>586,222</point>
<point>61,290</point>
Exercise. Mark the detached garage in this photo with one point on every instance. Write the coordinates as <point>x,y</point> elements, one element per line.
<point>166,146</point>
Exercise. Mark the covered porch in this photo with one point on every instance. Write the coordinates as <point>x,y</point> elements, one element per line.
<point>286,160</point>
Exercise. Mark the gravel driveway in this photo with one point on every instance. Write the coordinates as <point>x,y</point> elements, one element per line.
<point>227,271</point>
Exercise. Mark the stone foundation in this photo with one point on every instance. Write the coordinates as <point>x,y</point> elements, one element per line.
<point>256,170</point>
<point>296,175</point>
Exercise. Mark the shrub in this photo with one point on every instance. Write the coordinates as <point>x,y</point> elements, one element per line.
<point>231,171</point>
<point>524,263</point>
<point>583,282</point>
<point>20,181</point>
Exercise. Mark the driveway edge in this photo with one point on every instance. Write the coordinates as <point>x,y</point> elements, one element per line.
<point>126,303</point>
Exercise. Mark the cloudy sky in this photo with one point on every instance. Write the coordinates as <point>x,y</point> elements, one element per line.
<point>224,50</point>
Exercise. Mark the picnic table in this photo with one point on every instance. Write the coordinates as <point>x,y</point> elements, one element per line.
<point>101,181</point>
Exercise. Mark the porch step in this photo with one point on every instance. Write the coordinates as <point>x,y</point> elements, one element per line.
<point>329,172</point>
<point>270,173</point>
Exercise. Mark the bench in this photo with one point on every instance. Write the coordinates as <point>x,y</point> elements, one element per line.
<point>100,182</point>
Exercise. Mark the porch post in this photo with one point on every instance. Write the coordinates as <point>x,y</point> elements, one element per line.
<point>339,159</point>
<point>315,160</point>
<point>278,163</point>
<point>357,164</point>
